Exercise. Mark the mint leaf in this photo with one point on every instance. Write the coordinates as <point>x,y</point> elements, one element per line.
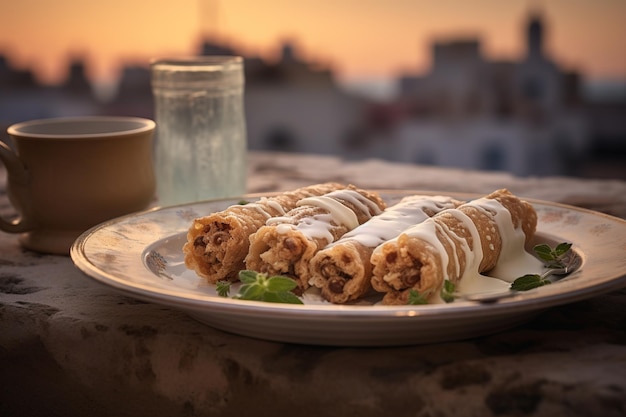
<point>552,257</point>
<point>281,297</point>
<point>223,288</point>
<point>528,282</point>
<point>280,284</point>
<point>247,277</point>
<point>250,292</point>
<point>447,292</point>
<point>258,287</point>
<point>544,252</point>
<point>415,298</point>
<point>561,249</point>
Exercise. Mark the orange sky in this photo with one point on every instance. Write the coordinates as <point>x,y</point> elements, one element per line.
<point>357,38</point>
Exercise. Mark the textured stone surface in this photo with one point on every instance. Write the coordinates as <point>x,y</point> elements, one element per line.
<point>71,347</point>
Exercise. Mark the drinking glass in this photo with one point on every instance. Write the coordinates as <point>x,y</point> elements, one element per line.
<point>201,144</point>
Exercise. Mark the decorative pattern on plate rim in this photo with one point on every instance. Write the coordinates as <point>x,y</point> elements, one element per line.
<point>187,214</point>
<point>157,263</point>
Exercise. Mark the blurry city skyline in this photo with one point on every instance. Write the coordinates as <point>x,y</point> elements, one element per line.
<point>358,40</point>
<point>531,114</point>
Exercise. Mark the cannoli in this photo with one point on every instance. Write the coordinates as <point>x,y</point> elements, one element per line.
<point>218,243</point>
<point>342,270</point>
<point>286,244</point>
<point>454,245</point>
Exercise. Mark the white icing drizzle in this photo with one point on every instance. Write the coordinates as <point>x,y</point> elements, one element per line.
<point>275,205</point>
<point>320,225</point>
<point>397,218</point>
<point>472,280</point>
<point>284,228</point>
<point>357,199</point>
<point>473,256</point>
<point>513,261</point>
<point>317,227</point>
<point>340,213</point>
<point>469,255</point>
<point>427,231</point>
<point>261,206</point>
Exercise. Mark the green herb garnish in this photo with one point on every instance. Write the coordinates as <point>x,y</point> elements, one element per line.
<point>528,282</point>
<point>447,292</point>
<point>415,298</point>
<point>223,288</point>
<point>552,258</point>
<point>258,286</point>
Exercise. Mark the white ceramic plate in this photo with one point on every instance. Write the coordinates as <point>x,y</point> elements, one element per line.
<point>141,255</point>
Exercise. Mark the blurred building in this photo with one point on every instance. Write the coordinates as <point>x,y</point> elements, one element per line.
<point>527,117</point>
<point>133,96</point>
<point>294,106</point>
<point>524,117</point>
<point>606,111</point>
<point>291,105</point>
<point>22,97</point>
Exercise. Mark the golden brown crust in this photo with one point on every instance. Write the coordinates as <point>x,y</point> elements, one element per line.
<point>411,262</point>
<point>218,243</point>
<point>286,246</point>
<point>343,270</point>
<point>522,212</point>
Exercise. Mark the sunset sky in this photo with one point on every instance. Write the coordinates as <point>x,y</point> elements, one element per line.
<point>356,38</point>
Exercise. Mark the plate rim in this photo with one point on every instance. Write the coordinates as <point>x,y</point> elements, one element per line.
<point>519,303</point>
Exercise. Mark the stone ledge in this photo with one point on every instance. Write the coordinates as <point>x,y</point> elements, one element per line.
<point>71,347</point>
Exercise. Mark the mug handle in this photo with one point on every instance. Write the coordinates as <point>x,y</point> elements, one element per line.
<point>17,180</point>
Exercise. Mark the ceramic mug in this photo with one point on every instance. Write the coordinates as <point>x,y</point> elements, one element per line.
<point>65,175</point>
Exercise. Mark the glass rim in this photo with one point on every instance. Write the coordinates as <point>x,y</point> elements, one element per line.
<point>189,61</point>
